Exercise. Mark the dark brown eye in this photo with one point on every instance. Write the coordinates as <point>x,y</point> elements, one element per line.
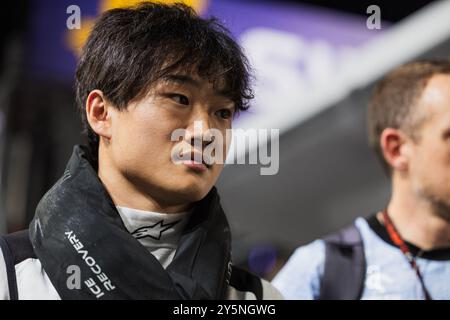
<point>446,134</point>
<point>180,99</point>
<point>225,113</point>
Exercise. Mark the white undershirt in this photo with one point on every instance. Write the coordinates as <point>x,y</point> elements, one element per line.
<point>158,232</point>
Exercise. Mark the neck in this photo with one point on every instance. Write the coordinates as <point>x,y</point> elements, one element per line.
<point>125,193</point>
<point>416,220</point>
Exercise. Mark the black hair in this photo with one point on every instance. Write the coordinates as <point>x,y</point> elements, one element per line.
<point>130,49</point>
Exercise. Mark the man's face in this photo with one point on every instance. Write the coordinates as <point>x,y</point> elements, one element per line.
<point>429,166</point>
<point>141,144</point>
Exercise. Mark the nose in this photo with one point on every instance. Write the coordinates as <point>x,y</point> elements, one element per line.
<point>198,133</point>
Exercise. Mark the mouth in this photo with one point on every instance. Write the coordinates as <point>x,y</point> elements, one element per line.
<point>199,167</point>
<point>194,160</point>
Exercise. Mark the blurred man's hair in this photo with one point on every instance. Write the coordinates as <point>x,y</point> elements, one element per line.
<point>394,101</point>
<point>130,49</point>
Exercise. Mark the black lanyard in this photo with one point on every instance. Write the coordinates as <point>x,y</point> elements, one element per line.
<point>398,241</point>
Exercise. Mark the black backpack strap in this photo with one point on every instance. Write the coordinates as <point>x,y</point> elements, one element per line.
<point>16,247</point>
<point>345,265</point>
<point>245,281</point>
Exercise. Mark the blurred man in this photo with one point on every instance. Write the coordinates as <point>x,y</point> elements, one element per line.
<point>403,251</point>
<point>126,221</point>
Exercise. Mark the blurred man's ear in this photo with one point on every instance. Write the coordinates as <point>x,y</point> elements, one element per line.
<point>97,114</point>
<point>395,147</point>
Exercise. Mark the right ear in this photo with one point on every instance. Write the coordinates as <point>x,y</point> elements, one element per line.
<point>97,114</point>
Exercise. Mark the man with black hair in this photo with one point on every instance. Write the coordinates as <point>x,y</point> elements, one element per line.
<point>127,221</point>
<point>403,251</point>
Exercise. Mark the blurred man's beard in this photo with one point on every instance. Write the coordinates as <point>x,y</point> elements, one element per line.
<point>441,206</point>
<point>442,209</point>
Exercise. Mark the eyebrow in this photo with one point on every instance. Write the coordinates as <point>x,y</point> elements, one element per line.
<point>183,79</point>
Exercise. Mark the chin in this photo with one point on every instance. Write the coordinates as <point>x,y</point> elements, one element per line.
<point>191,195</point>
<point>193,190</point>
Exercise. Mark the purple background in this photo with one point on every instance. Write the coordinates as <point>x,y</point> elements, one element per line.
<point>49,57</point>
